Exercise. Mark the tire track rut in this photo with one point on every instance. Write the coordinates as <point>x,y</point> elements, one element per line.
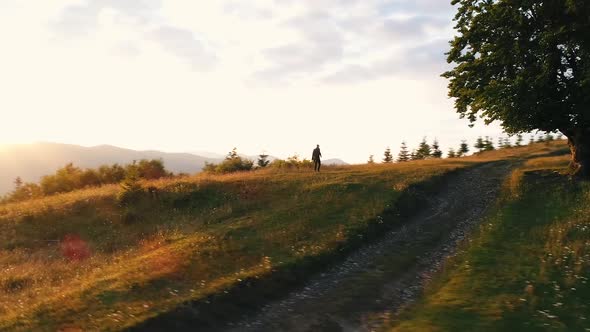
<point>362,293</point>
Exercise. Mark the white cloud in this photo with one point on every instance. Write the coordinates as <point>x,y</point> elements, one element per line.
<point>274,75</point>
<point>184,44</point>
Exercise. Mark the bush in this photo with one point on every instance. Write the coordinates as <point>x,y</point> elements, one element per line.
<point>232,163</point>
<point>238,164</point>
<point>111,174</point>
<point>150,169</point>
<point>65,179</point>
<point>70,178</point>
<point>292,162</point>
<point>23,192</point>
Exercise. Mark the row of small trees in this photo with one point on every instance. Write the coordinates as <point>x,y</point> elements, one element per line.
<point>70,178</point>
<point>432,151</point>
<point>424,151</point>
<point>233,162</point>
<point>486,144</point>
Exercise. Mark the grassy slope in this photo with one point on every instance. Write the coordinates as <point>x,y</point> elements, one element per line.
<point>201,236</point>
<point>526,270</point>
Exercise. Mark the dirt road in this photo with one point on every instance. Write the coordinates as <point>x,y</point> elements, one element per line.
<point>369,287</point>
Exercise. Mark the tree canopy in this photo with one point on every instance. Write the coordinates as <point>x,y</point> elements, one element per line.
<point>525,63</point>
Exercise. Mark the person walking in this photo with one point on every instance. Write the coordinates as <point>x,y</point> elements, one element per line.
<point>316,158</point>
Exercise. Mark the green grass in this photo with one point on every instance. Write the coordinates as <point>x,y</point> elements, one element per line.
<point>202,236</point>
<point>527,268</point>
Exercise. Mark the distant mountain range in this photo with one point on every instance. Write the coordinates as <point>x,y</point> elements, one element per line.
<point>334,161</point>
<point>33,161</point>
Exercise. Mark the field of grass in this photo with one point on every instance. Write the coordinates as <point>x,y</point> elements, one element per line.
<point>80,261</point>
<point>527,268</point>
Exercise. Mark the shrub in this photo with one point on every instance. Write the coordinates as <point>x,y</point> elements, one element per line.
<point>70,178</point>
<point>111,174</point>
<point>292,162</point>
<point>232,163</point>
<point>151,169</point>
<point>237,164</point>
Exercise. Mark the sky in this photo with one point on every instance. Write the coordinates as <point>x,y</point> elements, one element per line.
<point>274,76</point>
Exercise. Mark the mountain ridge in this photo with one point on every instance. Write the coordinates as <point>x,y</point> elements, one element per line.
<point>32,161</point>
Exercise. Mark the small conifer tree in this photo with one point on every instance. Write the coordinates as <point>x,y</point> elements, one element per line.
<point>436,152</point>
<point>387,157</point>
<point>463,149</point>
<point>424,151</point>
<point>479,144</point>
<point>233,154</point>
<point>488,144</point>
<point>262,160</point>
<point>18,183</point>
<point>451,153</point>
<point>518,140</point>
<point>403,155</point>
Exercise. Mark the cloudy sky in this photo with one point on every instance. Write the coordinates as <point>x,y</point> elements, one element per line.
<point>280,76</point>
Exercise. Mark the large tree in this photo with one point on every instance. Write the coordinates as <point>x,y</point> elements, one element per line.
<point>525,63</point>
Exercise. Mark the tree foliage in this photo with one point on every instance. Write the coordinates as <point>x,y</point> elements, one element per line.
<point>71,177</point>
<point>262,161</point>
<point>424,150</point>
<point>436,152</point>
<point>232,163</point>
<point>463,149</point>
<point>488,145</point>
<point>451,153</point>
<point>404,154</point>
<point>525,63</point>
<point>518,140</point>
<point>292,162</point>
<point>131,190</point>
<point>479,144</point>
<point>387,156</point>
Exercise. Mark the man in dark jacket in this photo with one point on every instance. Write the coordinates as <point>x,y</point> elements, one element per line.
<point>315,157</point>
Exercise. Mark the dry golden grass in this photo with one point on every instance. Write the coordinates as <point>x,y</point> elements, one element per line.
<point>76,261</point>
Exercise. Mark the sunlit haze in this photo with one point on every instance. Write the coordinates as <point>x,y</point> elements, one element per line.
<point>278,76</point>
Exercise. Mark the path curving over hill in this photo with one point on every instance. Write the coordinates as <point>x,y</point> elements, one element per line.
<point>370,286</point>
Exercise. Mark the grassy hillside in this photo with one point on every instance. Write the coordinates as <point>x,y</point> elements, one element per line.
<point>528,267</point>
<point>79,260</point>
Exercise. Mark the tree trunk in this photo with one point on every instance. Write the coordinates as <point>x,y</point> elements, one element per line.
<point>579,143</point>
